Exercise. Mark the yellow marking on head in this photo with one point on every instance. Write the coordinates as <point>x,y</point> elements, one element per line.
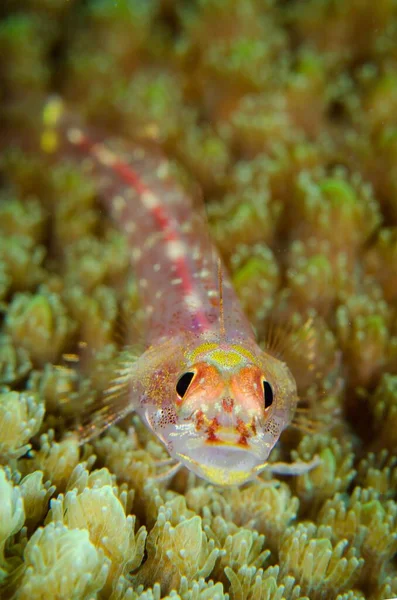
<point>226,358</point>
<point>242,350</point>
<point>231,357</point>
<point>203,348</point>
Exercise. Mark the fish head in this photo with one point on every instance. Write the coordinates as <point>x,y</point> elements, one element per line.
<point>230,405</point>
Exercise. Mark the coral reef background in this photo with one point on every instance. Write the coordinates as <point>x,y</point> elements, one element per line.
<point>284,114</point>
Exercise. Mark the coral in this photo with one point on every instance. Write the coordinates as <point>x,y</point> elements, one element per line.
<point>14,362</point>
<point>73,216</point>
<point>39,324</point>
<point>21,416</point>
<point>21,261</point>
<point>95,313</point>
<point>100,512</point>
<point>383,406</point>
<point>321,568</point>
<point>256,278</point>
<point>206,155</point>
<point>381,261</point>
<point>24,41</point>
<point>333,474</point>
<point>22,219</point>
<point>177,551</point>
<point>267,508</point>
<point>12,514</point>
<point>64,561</point>
<point>323,205</point>
<point>341,40</point>
<point>364,334</point>
<point>62,388</point>
<point>238,547</point>
<point>260,123</point>
<point>56,460</point>
<point>36,495</point>
<point>368,525</point>
<point>379,472</point>
<point>252,215</point>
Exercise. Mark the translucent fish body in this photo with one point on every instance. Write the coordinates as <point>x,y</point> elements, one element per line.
<point>216,400</point>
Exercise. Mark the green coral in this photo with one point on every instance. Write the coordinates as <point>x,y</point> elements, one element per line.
<point>21,262</point>
<point>320,567</point>
<point>25,219</point>
<point>334,473</point>
<point>256,278</point>
<point>369,526</point>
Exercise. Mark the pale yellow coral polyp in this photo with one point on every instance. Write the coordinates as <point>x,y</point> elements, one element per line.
<point>100,512</point>
<point>21,415</point>
<point>62,564</point>
<point>35,495</point>
<point>174,552</point>
<point>12,514</point>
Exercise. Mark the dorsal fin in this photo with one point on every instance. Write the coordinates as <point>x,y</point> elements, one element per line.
<point>222,330</point>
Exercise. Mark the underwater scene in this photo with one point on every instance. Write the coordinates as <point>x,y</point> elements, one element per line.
<point>136,136</point>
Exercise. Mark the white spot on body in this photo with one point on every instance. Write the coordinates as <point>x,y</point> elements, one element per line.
<point>163,169</point>
<point>175,250</point>
<point>196,254</point>
<point>156,267</point>
<point>158,294</point>
<point>149,200</point>
<point>130,227</point>
<point>176,281</point>
<point>202,274</point>
<point>118,204</point>
<point>104,155</point>
<point>212,293</point>
<point>136,254</point>
<point>151,241</point>
<point>74,135</point>
<point>192,300</point>
<point>143,283</point>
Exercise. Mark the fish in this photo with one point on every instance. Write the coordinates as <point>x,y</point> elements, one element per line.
<point>216,401</point>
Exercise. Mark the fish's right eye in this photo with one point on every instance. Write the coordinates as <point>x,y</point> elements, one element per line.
<point>183,383</point>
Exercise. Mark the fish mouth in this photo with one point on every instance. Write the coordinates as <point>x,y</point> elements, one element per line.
<point>223,463</point>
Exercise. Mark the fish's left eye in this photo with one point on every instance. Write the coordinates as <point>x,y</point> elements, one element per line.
<point>183,383</point>
<point>267,393</point>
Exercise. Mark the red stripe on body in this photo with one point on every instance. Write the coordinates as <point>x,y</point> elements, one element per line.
<point>160,216</point>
